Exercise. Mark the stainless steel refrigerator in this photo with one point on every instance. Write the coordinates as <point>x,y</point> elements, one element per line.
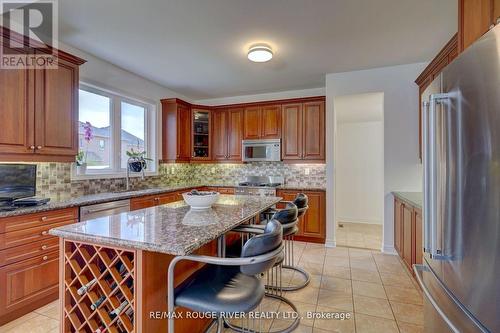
<point>460,276</point>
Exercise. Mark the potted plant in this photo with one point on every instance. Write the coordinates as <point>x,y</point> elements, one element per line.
<point>81,157</point>
<point>137,160</point>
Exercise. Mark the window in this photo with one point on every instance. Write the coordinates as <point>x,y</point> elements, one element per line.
<point>110,125</point>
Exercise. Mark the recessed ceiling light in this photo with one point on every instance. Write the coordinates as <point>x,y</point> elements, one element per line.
<point>260,53</point>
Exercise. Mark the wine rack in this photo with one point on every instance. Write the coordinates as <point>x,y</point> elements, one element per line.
<point>99,284</point>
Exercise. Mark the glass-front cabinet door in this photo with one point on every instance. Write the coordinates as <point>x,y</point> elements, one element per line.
<point>201,144</point>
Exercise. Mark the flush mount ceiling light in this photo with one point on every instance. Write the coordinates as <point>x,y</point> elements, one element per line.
<point>260,53</point>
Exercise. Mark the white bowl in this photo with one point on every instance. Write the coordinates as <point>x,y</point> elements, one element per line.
<point>202,200</point>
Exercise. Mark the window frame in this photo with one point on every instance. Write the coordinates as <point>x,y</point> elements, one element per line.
<point>151,119</point>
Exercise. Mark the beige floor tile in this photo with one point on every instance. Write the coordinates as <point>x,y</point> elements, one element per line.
<point>393,268</point>
<point>314,251</point>
<point>370,324</point>
<point>335,299</point>
<point>337,271</point>
<point>410,328</point>
<point>360,253</point>
<point>345,325</point>
<point>365,275</point>
<point>312,268</point>
<point>337,261</point>
<point>390,279</point>
<point>367,264</point>
<point>368,289</point>
<point>17,321</point>
<point>376,307</point>
<point>337,252</point>
<point>37,324</point>
<point>336,284</point>
<point>307,295</point>
<point>302,329</point>
<point>50,310</point>
<point>303,309</point>
<point>408,313</point>
<point>314,258</point>
<point>403,295</point>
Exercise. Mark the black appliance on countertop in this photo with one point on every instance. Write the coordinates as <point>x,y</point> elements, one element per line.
<point>18,186</point>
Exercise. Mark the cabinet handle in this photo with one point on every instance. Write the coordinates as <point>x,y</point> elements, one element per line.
<point>45,233</point>
<point>32,147</point>
<point>45,258</point>
<point>44,247</point>
<point>39,147</point>
<point>44,218</point>
<point>157,199</point>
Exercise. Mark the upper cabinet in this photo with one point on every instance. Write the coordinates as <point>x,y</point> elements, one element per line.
<point>444,57</point>
<point>39,111</point>
<point>201,142</point>
<point>176,130</point>
<point>216,133</point>
<point>475,17</point>
<point>262,122</point>
<point>303,126</point>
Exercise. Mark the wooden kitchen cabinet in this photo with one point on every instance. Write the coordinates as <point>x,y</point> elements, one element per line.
<point>201,143</point>
<point>475,17</point>
<point>39,110</point>
<point>303,131</point>
<point>407,236</point>
<point>312,225</point>
<point>176,130</point>
<point>252,123</point>
<point>408,239</point>
<point>227,134</point>
<point>29,261</point>
<point>153,200</point>
<point>56,110</point>
<point>262,122</point>
<point>447,54</point>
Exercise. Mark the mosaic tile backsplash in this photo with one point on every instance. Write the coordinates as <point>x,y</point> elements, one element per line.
<point>54,179</point>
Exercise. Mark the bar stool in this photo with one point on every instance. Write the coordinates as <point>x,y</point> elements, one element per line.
<point>301,202</point>
<point>227,285</point>
<point>274,282</point>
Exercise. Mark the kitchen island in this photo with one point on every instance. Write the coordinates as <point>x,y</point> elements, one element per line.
<point>113,270</point>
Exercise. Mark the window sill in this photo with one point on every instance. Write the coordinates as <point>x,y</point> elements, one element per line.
<point>110,175</point>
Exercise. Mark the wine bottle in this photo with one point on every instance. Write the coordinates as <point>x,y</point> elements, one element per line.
<point>87,287</point>
<point>118,310</point>
<point>97,303</point>
<point>99,329</point>
<point>130,314</point>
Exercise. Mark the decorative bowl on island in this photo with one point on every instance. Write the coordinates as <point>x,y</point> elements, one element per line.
<point>200,199</point>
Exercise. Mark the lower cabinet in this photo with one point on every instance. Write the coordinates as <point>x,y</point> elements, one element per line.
<point>408,240</point>
<point>29,261</point>
<point>312,225</point>
<point>155,200</point>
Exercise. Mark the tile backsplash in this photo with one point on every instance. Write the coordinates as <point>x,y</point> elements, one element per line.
<point>54,179</point>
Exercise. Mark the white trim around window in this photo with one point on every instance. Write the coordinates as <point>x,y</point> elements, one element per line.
<point>113,168</point>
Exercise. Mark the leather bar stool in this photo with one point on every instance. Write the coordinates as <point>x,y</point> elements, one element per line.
<point>274,283</point>
<point>301,202</point>
<point>227,285</point>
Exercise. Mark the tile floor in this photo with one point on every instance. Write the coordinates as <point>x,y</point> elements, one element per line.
<point>374,288</point>
<point>360,235</point>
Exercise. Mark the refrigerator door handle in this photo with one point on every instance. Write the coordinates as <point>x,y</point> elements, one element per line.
<point>430,183</point>
<point>426,207</point>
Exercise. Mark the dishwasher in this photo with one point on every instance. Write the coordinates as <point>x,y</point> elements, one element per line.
<point>105,209</point>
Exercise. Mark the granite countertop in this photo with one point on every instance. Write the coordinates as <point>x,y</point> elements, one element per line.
<point>301,187</point>
<point>413,198</point>
<point>68,201</point>
<point>172,228</point>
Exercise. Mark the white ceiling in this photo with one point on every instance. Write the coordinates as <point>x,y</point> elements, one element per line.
<point>359,108</point>
<point>198,47</point>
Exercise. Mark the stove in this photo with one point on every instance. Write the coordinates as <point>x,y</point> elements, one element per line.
<point>259,185</point>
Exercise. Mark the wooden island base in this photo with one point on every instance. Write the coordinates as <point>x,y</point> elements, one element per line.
<point>133,279</point>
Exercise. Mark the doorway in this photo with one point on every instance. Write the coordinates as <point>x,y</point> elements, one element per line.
<point>359,170</point>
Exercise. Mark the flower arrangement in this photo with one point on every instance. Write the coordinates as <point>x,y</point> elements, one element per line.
<point>81,157</point>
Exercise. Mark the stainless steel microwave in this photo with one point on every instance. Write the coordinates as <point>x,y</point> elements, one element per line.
<point>261,150</point>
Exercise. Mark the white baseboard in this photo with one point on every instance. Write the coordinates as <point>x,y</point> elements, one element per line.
<point>355,220</point>
<point>330,243</point>
<point>389,249</point>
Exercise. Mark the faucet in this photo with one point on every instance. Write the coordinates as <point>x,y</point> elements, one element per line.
<point>128,173</point>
